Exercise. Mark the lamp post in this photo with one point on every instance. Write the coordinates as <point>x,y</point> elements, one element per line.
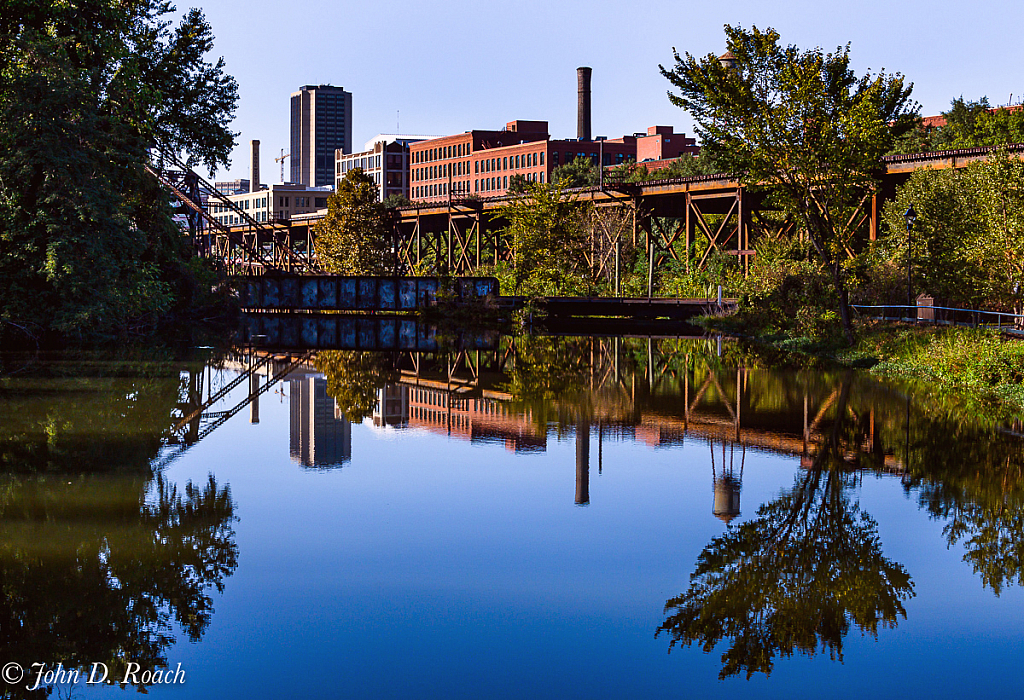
<point>910,216</point>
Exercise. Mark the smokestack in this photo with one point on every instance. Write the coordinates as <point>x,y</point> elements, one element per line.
<point>254,165</point>
<point>583,103</point>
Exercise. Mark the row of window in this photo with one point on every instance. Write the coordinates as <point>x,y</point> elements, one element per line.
<point>235,220</point>
<point>487,184</point>
<point>258,203</point>
<point>365,163</point>
<point>441,153</point>
<point>487,165</point>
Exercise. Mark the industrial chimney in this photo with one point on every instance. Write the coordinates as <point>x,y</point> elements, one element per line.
<point>583,104</point>
<point>254,165</point>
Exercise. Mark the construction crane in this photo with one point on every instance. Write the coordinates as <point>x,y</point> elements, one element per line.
<point>281,161</point>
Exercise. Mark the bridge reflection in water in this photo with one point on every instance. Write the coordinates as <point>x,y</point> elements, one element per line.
<point>662,391</point>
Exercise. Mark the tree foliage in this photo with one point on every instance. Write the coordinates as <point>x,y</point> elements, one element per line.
<point>795,578</point>
<point>967,245</point>
<point>798,123</point>
<point>968,124</point>
<point>580,172</point>
<point>87,243</point>
<point>355,237</point>
<point>545,235</point>
<point>353,378</point>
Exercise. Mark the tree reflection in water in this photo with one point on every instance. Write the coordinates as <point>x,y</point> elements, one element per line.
<point>99,557</point>
<point>794,578</point>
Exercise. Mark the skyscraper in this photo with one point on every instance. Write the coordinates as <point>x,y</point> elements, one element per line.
<point>321,123</point>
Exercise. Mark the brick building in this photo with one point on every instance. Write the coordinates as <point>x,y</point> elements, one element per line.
<point>662,143</point>
<point>481,163</point>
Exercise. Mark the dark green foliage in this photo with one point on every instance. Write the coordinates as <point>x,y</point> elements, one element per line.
<point>518,184</point>
<point>798,576</point>
<point>394,201</point>
<point>545,235</point>
<point>101,557</point>
<point>581,172</point>
<point>968,240</point>
<point>87,241</point>
<point>354,377</point>
<point>684,166</point>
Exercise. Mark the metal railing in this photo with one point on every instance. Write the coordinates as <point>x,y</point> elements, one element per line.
<point>1002,321</point>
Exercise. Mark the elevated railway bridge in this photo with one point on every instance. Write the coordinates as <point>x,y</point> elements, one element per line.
<point>684,220</point>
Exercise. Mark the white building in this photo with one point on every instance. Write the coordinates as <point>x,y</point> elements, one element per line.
<point>385,158</point>
<point>278,202</point>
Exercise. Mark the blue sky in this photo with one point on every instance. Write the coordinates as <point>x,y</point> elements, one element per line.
<point>441,68</point>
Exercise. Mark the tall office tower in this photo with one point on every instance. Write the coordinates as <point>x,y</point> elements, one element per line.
<point>321,123</point>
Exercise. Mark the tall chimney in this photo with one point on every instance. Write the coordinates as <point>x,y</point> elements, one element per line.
<point>254,166</point>
<point>583,103</point>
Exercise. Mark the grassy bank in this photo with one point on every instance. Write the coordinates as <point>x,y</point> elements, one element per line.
<point>985,370</point>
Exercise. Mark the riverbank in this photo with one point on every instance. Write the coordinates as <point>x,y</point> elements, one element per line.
<point>983,369</point>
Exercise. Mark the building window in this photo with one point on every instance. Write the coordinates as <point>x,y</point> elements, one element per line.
<point>542,157</point>
<point>504,181</point>
<point>504,163</point>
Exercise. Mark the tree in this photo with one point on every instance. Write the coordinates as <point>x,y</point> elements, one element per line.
<point>355,238</point>
<point>546,238</point>
<point>580,172</point>
<point>395,201</point>
<point>799,124</point>
<point>968,241</point>
<point>88,246</point>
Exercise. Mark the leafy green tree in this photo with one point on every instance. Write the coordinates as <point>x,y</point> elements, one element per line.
<point>356,236</point>
<point>545,236</point>
<point>518,184</point>
<point>968,124</point>
<point>88,246</point>
<point>968,240</point>
<point>581,172</point>
<point>799,123</point>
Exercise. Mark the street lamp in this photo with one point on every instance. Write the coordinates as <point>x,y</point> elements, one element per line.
<point>910,216</point>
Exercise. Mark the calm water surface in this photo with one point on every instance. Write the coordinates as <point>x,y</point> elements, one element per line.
<point>572,517</point>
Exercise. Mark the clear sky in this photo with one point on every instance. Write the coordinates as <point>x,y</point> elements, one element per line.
<point>442,68</point>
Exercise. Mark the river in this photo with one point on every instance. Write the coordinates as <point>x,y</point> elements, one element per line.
<point>530,517</point>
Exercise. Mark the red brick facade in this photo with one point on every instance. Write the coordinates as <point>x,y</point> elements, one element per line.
<point>482,163</point>
<point>661,143</point>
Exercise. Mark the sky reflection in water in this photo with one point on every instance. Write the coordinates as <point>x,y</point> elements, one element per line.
<point>509,557</point>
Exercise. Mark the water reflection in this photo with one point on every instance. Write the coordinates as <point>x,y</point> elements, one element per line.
<point>99,555</point>
<point>809,566</point>
<point>320,432</point>
<point>88,522</point>
<point>796,577</point>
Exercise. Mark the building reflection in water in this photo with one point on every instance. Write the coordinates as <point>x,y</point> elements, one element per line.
<point>321,436</point>
<point>477,419</point>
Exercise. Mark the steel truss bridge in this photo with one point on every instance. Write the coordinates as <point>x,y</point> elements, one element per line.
<point>683,220</point>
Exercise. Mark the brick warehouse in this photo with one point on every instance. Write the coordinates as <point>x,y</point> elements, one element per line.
<point>482,163</point>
